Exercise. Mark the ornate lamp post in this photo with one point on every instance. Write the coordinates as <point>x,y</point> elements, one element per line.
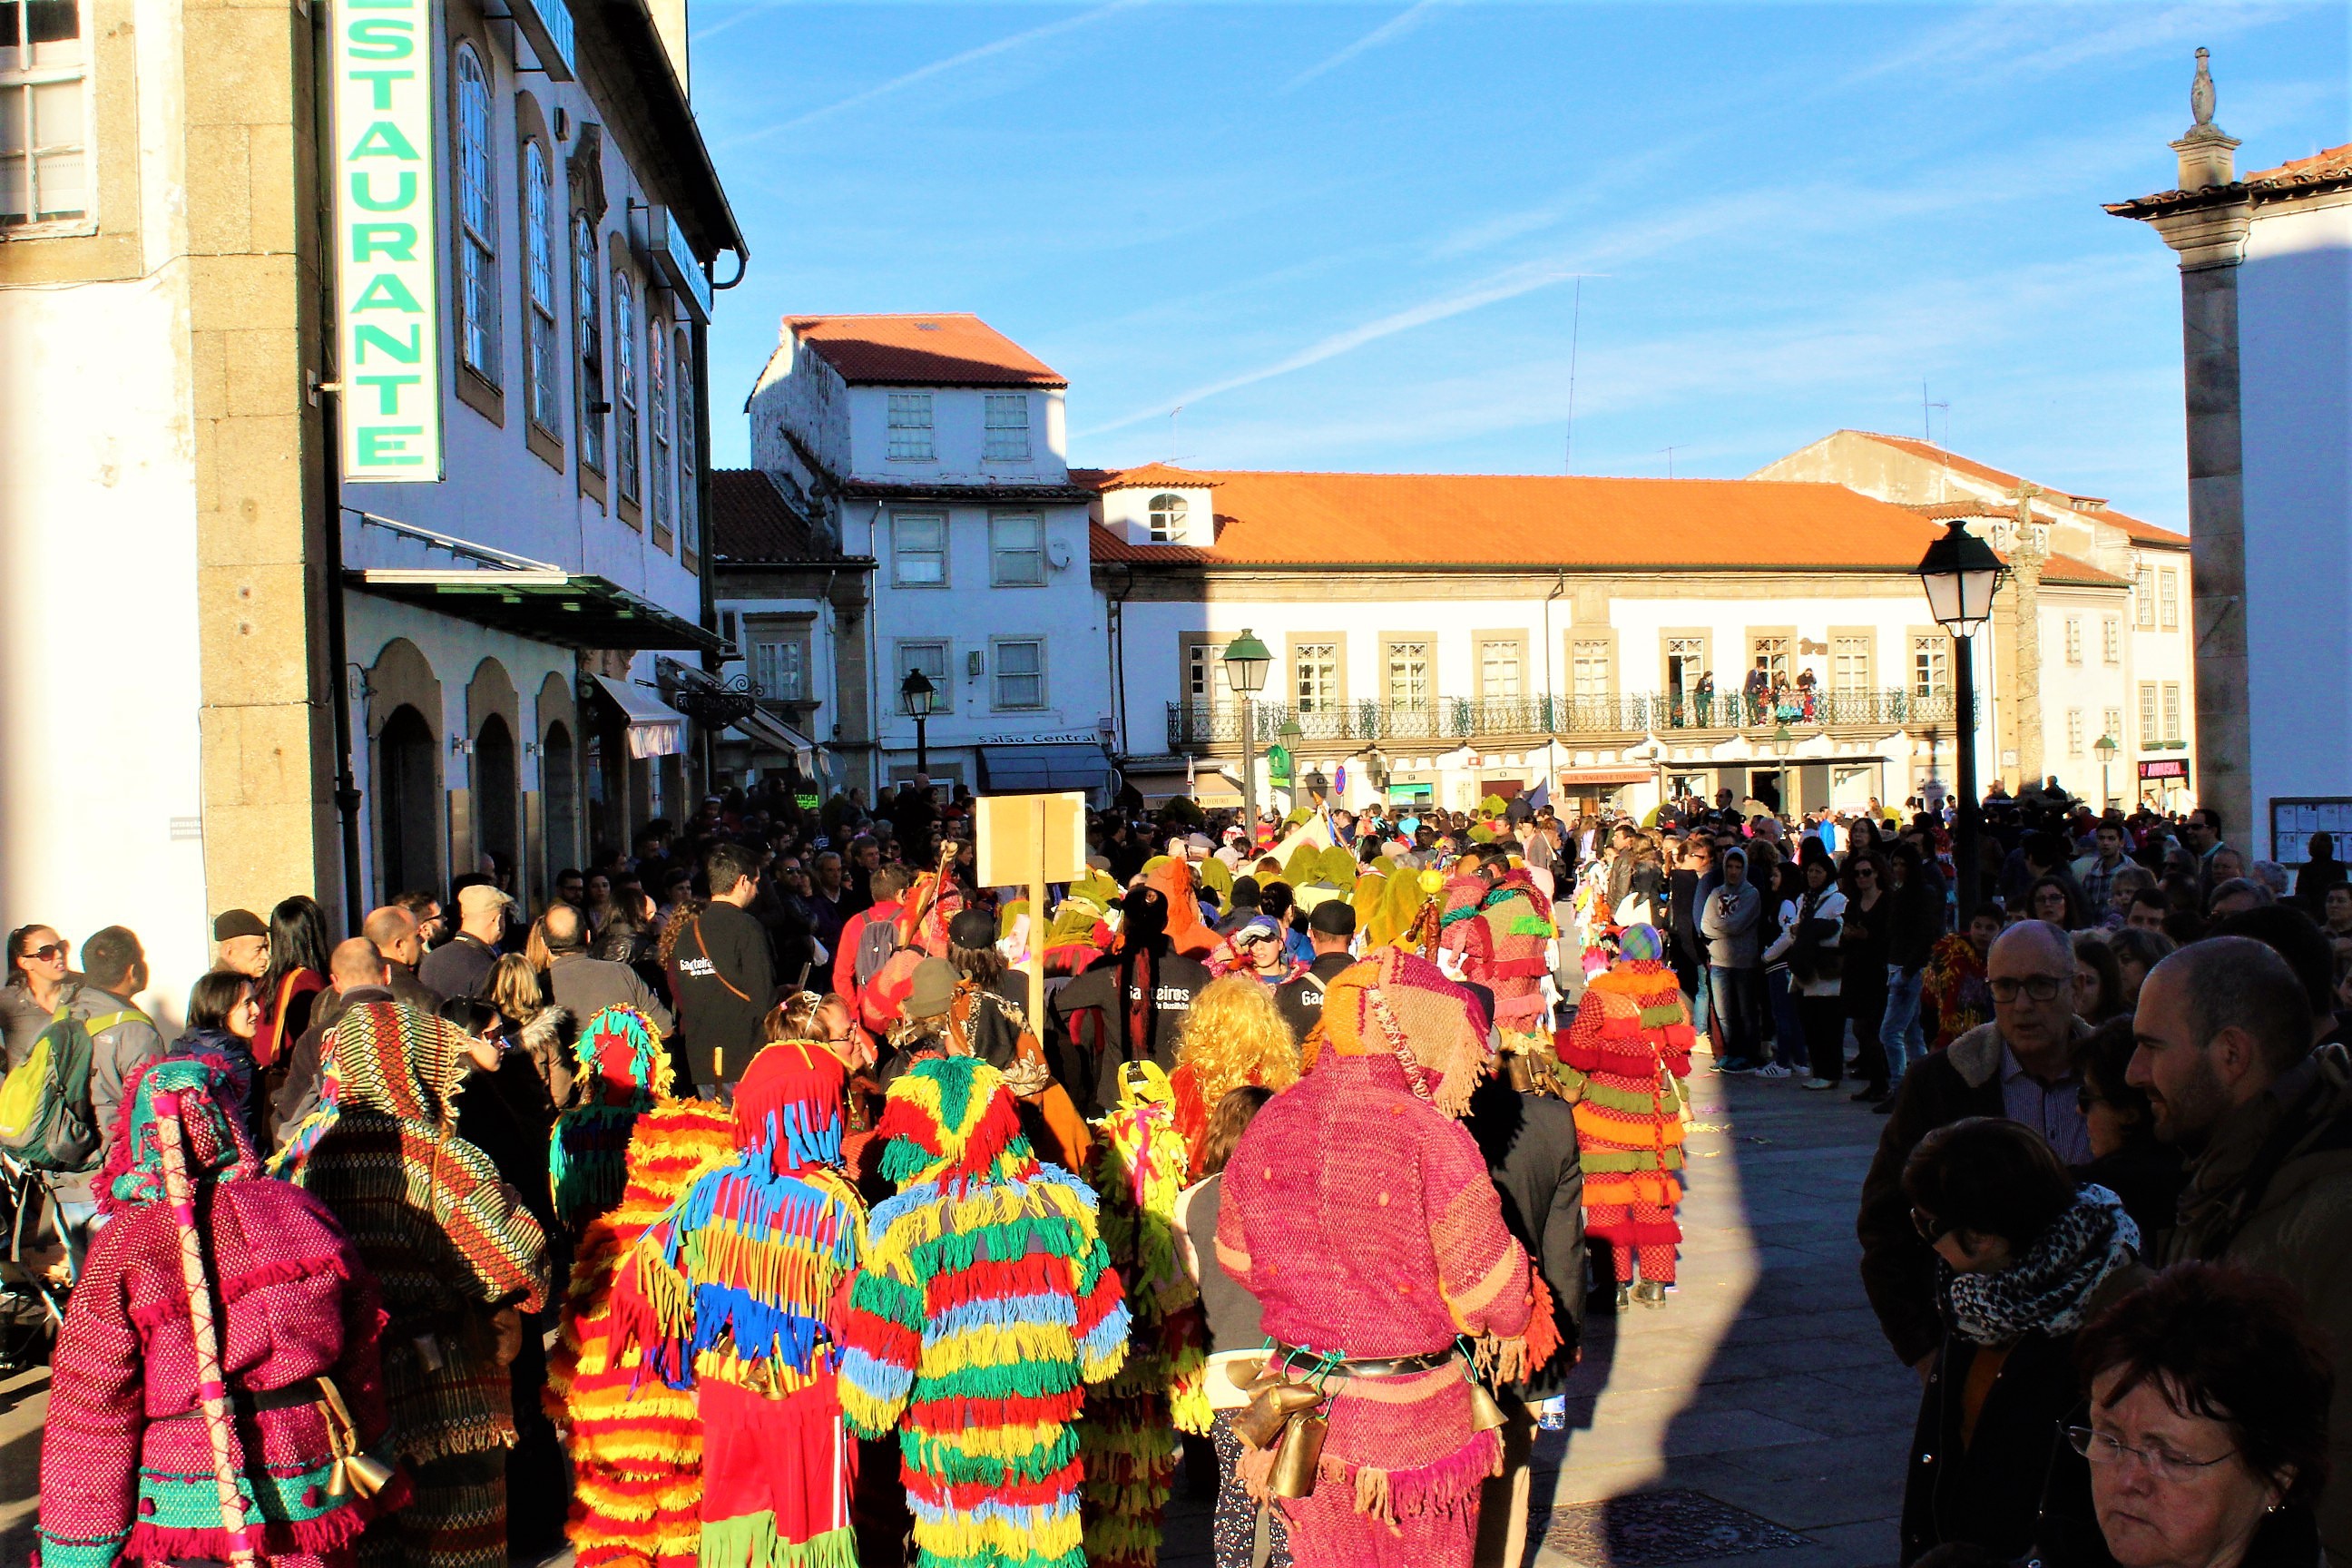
<point>1960,573</point>
<point>2106,748</point>
<point>920,696</point>
<point>1782,743</point>
<point>1246,660</point>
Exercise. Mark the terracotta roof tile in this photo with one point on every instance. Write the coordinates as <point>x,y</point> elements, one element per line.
<point>954,349</point>
<point>2139,533</point>
<point>2330,168</point>
<point>2066,569</point>
<point>751,521</point>
<point>1508,519</point>
<point>1150,476</point>
<point>2319,165</point>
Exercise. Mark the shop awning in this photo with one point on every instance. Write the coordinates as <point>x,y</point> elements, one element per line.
<point>656,729</point>
<point>1572,776</point>
<point>1044,767</point>
<point>765,729</point>
<point>546,604</point>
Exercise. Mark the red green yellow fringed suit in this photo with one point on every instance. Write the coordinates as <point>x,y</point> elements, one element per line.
<point>636,1443</point>
<point>624,1071</point>
<point>1623,1062</point>
<point>983,1306</point>
<point>728,1293</point>
<point>1127,1439</point>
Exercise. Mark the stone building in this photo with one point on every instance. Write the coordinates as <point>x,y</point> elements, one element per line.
<point>310,598</point>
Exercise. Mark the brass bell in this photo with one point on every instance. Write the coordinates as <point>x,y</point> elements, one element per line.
<point>1485,1412</point>
<point>1296,1465</point>
<point>1260,1422</point>
<point>361,1473</point>
<point>1520,1072</point>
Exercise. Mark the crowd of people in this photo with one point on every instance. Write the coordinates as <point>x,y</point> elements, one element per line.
<point>743,1206</point>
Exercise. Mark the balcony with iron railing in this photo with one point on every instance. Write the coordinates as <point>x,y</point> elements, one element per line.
<point>1203,726</point>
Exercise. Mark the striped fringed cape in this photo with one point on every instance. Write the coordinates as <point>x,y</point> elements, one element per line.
<point>636,1443</point>
<point>1625,1056</point>
<point>983,1306</point>
<point>1128,1437</point>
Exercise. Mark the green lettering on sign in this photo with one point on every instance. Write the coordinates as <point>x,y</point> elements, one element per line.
<point>382,445</point>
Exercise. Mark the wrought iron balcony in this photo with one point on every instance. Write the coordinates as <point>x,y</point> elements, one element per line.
<point>1201,725</point>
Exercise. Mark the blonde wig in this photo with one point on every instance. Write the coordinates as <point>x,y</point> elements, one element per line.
<point>1234,1036</point>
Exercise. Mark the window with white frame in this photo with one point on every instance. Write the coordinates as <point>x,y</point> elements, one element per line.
<point>588,314</point>
<point>1772,659</point>
<point>1931,665</point>
<point>1200,668</point>
<point>910,427</point>
<point>477,255</point>
<point>1498,667</point>
<point>1409,675</point>
<point>689,498</point>
<point>625,386</point>
<point>918,549</point>
<point>1007,437</point>
<point>2073,731</point>
<point>1016,551</point>
<point>2111,725</point>
<point>1318,677</point>
<point>1020,673</point>
<point>2111,640</point>
<point>2149,731</point>
<point>2073,639</point>
<point>779,657</point>
<point>2171,712</point>
<point>657,401</point>
<point>2144,596</point>
<point>1166,518</point>
<point>539,240</point>
<point>45,162</point>
<point>931,658</point>
<point>2167,599</point>
<point>1850,664</point>
<point>1588,669</point>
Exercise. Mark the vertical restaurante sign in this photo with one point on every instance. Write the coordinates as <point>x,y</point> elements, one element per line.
<point>386,239</point>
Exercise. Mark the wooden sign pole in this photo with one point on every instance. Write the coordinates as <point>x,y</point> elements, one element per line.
<point>1034,960</point>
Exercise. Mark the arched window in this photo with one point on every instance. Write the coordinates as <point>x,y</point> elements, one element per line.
<point>539,237</point>
<point>589,309</point>
<point>690,498</point>
<point>624,385</point>
<point>477,258</point>
<point>657,402</point>
<point>1168,518</point>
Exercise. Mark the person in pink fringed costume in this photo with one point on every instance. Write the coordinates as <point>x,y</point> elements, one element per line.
<point>1358,1212</point>
<point>1498,927</point>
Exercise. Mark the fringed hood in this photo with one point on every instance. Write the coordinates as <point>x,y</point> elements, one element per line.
<point>790,1106</point>
<point>952,1120</point>
<point>1400,1003</point>
<point>188,1089</point>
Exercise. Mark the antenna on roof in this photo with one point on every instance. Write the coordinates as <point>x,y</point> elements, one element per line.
<point>1171,431</point>
<point>1670,451</point>
<point>1926,425</point>
<point>1575,328</point>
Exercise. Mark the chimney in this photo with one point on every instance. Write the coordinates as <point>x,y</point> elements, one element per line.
<point>2206,152</point>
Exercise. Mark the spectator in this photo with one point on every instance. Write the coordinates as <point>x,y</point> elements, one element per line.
<point>432,920</point>
<point>2054,899</point>
<point>297,974</point>
<point>868,938</point>
<point>1330,930</point>
<point>1953,985</point>
<point>2098,979</point>
<point>240,943</point>
<point>2336,910</point>
<point>39,964</point>
<point>2137,951</point>
<point>2148,911</point>
<point>2207,1439</point>
<point>357,974</point>
<point>2126,1157</point>
<point>1808,943</point>
<point>2125,886</point>
<point>721,974</point>
<point>571,888</point>
<point>2235,897</point>
<point>583,986</point>
<point>2094,873</point>
<point>2224,1029</point>
<point>1729,921</point>
<point>461,966</point>
<point>2018,1066</point>
<point>223,1016</point>
<point>1918,922</point>
<point>1864,938</point>
<point>2027,1260</point>
<point>122,1038</point>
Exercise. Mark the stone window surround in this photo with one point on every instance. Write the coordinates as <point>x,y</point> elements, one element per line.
<point>1292,642</point>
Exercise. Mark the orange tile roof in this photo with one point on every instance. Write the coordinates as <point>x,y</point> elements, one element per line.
<point>2139,533</point>
<point>1150,477</point>
<point>954,349</point>
<point>2332,160</point>
<point>1535,520</point>
<point>2329,169</point>
<point>2066,569</point>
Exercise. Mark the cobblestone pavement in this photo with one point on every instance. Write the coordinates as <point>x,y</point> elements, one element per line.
<point>1761,1395</point>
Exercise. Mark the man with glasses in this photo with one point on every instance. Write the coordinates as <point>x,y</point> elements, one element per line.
<point>2019,1067</point>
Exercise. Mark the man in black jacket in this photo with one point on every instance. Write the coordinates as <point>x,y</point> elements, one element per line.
<point>721,974</point>
<point>1130,1007</point>
<point>461,966</point>
<point>1331,927</point>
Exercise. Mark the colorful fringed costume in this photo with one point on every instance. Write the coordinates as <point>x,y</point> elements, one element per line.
<point>728,1293</point>
<point>127,1463</point>
<point>984,1305</point>
<point>1128,1437</point>
<point>1503,937</point>
<point>449,1248</point>
<point>1358,1212</point>
<point>1623,1063</point>
<point>636,1443</point>
<point>624,1069</point>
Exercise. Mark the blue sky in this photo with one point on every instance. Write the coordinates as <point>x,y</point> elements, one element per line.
<point>1347,237</point>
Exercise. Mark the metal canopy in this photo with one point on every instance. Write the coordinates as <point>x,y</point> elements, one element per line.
<point>543,604</point>
<point>1044,765</point>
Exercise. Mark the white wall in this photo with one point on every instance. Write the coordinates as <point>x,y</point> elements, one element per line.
<point>2295,344</point>
<point>957,432</point>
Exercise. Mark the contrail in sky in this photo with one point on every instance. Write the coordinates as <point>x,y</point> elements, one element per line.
<point>1412,16</point>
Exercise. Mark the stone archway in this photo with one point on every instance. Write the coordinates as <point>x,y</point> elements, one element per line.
<point>493,720</point>
<point>405,817</point>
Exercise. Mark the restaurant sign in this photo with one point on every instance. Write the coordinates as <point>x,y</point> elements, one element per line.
<point>387,293</point>
<point>2164,768</point>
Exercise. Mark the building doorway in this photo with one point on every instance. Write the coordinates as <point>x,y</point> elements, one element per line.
<point>559,784</point>
<point>407,814</point>
<point>496,792</point>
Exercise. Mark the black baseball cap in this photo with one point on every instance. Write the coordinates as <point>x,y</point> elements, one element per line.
<point>1332,917</point>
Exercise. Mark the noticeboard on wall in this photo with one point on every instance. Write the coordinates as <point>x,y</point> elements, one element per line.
<point>2294,818</point>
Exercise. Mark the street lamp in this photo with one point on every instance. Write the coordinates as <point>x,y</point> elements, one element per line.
<point>1783,740</point>
<point>920,696</point>
<point>2106,748</point>
<point>1292,737</point>
<point>1245,661</point>
<point>1960,573</point>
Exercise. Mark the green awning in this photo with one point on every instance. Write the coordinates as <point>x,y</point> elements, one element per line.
<point>548,606</point>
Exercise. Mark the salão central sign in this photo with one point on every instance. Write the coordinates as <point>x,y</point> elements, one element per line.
<point>387,293</point>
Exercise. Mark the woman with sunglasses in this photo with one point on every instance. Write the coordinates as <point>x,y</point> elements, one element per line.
<point>2024,1260</point>
<point>38,966</point>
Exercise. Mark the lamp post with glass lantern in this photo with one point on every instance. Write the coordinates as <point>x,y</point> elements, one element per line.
<point>919,696</point>
<point>2106,748</point>
<point>1782,741</point>
<point>1246,660</point>
<point>1960,573</point>
<point>1292,737</point>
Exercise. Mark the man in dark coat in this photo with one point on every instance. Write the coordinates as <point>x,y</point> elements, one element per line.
<point>357,974</point>
<point>721,974</point>
<point>1331,927</point>
<point>461,966</point>
<point>1130,1007</point>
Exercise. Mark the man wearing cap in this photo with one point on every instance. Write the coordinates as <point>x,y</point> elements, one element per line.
<point>1331,927</point>
<point>461,966</point>
<point>240,943</point>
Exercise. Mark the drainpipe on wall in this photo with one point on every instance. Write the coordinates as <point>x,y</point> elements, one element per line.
<point>326,394</point>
